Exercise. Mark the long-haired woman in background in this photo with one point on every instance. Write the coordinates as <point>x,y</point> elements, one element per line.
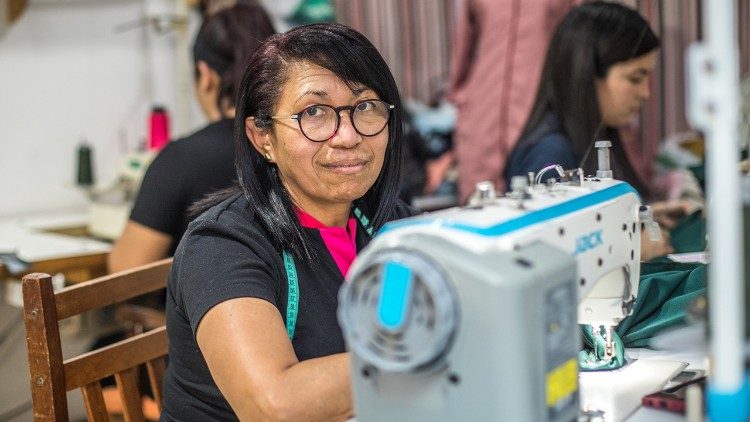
<point>594,80</point>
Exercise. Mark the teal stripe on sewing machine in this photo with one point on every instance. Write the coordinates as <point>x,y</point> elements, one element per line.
<point>525,220</point>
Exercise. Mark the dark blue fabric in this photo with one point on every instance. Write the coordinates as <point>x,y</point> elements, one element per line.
<point>547,145</point>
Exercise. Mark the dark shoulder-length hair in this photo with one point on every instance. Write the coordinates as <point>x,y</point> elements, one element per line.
<point>588,41</point>
<point>346,53</point>
<point>227,39</point>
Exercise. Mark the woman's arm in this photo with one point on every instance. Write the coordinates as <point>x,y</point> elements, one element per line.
<point>138,245</point>
<point>669,213</point>
<point>254,365</point>
<point>651,249</point>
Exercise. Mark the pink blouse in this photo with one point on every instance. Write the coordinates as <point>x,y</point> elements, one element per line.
<point>340,241</point>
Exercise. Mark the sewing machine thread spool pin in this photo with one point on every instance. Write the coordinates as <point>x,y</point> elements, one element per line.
<point>602,151</point>
<point>518,184</point>
<point>486,191</point>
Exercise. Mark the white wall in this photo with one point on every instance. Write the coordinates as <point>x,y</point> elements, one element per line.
<point>65,75</point>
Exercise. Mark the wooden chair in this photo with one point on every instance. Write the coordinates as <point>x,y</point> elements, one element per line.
<point>51,378</point>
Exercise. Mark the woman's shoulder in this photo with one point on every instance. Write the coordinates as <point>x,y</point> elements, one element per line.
<point>233,218</point>
<point>226,237</point>
<point>548,130</point>
<point>225,254</point>
<point>546,140</point>
<point>203,146</point>
<point>207,136</point>
<point>550,143</point>
<point>548,147</point>
<point>537,127</point>
<point>223,211</point>
<point>552,148</point>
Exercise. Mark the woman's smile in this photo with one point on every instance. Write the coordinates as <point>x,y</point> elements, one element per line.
<point>346,166</point>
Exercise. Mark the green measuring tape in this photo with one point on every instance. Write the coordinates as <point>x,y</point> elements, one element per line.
<point>292,302</point>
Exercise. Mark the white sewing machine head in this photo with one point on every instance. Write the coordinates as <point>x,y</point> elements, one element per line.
<point>109,207</point>
<point>476,304</point>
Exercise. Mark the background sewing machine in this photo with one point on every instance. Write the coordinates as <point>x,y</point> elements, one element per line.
<point>474,311</point>
<point>110,206</point>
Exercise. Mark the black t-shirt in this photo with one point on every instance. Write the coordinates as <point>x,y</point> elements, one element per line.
<point>184,172</point>
<point>227,253</point>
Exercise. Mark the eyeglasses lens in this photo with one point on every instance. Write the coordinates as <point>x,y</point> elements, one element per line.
<point>319,122</point>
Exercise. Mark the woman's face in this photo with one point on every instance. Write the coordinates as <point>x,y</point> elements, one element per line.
<point>625,87</point>
<point>320,174</point>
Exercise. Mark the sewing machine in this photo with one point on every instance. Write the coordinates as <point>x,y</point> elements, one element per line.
<point>473,312</point>
<point>110,207</point>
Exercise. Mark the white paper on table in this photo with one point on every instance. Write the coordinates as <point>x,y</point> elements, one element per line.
<point>42,246</point>
<point>618,393</point>
<point>689,257</point>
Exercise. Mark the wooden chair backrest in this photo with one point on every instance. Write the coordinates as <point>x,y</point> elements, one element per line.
<point>51,378</point>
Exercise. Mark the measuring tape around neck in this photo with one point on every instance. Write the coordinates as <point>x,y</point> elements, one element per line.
<point>292,302</point>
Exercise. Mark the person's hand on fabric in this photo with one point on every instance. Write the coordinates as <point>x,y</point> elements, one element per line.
<point>669,213</point>
<point>650,249</point>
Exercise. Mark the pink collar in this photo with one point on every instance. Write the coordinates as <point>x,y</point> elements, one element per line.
<point>340,241</point>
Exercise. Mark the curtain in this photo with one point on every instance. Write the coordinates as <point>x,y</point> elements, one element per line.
<point>414,37</point>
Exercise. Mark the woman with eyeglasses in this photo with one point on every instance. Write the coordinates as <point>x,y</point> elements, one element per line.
<point>594,80</point>
<point>252,296</point>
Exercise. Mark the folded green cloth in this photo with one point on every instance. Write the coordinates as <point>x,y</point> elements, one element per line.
<point>699,172</point>
<point>666,290</point>
<point>689,235</point>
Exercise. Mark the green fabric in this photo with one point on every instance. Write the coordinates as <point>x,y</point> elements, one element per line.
<point>312,11</point>
<point>591,358</point>
<point>699,172</point>
<point>689,235</point>
<point>666,290</point>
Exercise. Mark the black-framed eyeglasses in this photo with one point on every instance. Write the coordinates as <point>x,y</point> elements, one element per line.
<point>319,122</point>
